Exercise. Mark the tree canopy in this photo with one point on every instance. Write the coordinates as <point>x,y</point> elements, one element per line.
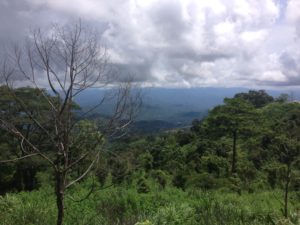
<point>258,98</point>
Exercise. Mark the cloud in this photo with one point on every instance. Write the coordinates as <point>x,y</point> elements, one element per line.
<point>181,42</point>
<point>292,11</point>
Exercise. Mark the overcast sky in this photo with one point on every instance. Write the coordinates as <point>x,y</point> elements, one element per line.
<point>180,43</point>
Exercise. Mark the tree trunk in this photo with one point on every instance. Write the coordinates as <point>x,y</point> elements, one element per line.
<point>59,198</point>
<point>286,190</point>
<point>233,163</point>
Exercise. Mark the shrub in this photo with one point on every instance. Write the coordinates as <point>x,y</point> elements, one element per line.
<point>176,215</point>
<point>147,222</point>
<point>102,174</point>
<point>161,177</point>
<point>204,181</point>
<point>146,161</point>
<point>143,186</point>
<point>119,171</point>
<point>179,180</point>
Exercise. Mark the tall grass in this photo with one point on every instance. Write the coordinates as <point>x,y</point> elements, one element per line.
<point>125,206</point>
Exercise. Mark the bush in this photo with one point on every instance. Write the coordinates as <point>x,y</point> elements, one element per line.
<point>160,176</point>
<point>203,181</point>
<point>179,181</point>
<point>102,174</point>
<point>19,209</point>
<point>176,215</point>
<point>145,161</point>
<point>147,222</point>
<point>119,171</point>
<point>215,165</point>
<point>143,186</point>
<point>235,184</point>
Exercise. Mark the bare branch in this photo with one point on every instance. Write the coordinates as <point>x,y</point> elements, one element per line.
<point>71,60</point>
<point>85,173</point>
<point>12,129</point>
<point>20,158</point>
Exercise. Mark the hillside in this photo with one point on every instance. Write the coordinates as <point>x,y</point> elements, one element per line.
<point>165,108</point>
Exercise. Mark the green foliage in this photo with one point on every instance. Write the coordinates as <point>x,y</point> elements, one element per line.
<point>125,206</point>
<point>235,184</point>
<point>215,165</point>
<point>102,174</point>
<point>256,98</point>
<point>181,177</point>
<point>145,161</point>
<point>142,186</point>
<point>18,106</point>
<point>204,181</point>
<point>119,171</point>
<point>235,118</point>
<point>160,176</point>
<point>20,209</point>
<point>175,215</point>
<point>179,180</point>
<point>247,173</point>
<point>282,98</point>
<point>235,115</point>
<point>147,222</point>
<point>7,173</point>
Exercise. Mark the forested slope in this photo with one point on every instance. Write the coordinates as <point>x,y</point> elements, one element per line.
<point>238,165</point>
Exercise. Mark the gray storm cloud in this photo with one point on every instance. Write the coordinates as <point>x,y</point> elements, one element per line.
<point>182,43</point>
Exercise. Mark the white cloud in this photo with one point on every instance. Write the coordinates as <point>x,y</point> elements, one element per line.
<point>292,11</point>
<point>272,76</point>
<point>193,42</point>
<point>253,36</point>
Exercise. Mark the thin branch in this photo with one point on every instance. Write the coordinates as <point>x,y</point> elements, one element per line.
<point>20,158</point>
<point>85,173</point>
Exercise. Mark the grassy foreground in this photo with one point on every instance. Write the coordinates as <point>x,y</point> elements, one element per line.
<point>123,205</point>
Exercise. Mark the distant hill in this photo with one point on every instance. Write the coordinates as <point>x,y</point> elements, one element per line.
<point>152,126</point>
<point>168,108</point>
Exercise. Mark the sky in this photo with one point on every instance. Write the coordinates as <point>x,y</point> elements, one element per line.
<point>180,43</point>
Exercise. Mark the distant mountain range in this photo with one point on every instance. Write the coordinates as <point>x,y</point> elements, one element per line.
<point>168,108</point>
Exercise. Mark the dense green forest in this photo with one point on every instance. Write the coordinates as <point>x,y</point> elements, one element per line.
<point>238,165</point>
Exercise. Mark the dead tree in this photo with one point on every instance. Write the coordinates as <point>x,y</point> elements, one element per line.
<point>67,60</point>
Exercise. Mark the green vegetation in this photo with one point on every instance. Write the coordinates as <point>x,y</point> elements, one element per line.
<point>125,205</point>
<point>239,165</point>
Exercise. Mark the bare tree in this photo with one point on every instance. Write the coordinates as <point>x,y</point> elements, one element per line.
<point>70,60</point>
